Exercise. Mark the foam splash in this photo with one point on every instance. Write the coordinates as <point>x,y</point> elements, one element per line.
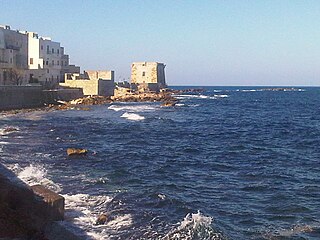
<point>35,174</point>
<point>132,116</point>
<point>132,108</point>
<point>194,226</point>
<point>7,130</point>
<point>83,211</point>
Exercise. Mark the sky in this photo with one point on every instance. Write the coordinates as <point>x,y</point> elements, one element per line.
<point>202,42</point>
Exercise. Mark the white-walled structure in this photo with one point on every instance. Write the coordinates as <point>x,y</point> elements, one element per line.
<point>41,59</point>
<point>13,56</point>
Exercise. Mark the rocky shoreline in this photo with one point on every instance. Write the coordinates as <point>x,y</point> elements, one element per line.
<point>165,97</point>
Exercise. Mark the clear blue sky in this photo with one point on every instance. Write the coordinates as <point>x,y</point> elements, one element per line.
<point>213,42</point>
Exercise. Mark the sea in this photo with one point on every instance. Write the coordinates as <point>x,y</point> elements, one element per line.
<point>225,163</point>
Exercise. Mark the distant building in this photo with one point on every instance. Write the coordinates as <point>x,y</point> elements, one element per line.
<point>148,74</point>
<point>35,59</point>
<point>92,82</point>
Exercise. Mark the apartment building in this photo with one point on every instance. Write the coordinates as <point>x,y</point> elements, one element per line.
<point>13,56</point>
<point>39,58</point>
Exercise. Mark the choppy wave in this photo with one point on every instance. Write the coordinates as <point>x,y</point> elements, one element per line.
<point>195,226</point>
<point>294,231</point>
<point>132,108</point>
<point>132,116</point>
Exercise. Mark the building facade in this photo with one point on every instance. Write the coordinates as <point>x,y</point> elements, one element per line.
<point>93,83</point>
<point>148,73</point>
<point>38,59</point>
<point>13,56</point>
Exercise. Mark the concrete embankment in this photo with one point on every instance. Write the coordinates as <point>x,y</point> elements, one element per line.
<point>29,212</point>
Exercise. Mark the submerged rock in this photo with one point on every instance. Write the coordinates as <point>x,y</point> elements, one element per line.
<point>102,219</point>
<point>76,151</point>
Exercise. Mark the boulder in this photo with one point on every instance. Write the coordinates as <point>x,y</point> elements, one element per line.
<point>169,104</point>
<point>76,151</point>
<point>102,219</point>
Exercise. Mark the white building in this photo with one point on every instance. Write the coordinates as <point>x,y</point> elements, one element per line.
<point>47,61</point>
<point>13,56</point>
<point>42,59</point>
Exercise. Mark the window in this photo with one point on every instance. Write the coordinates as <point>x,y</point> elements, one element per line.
<point>47,70</point>
<point>58,51</point>
<point>31,60</point>
<point>47,63</point>
<point>48,51</point>
<point>143,74</point>
<point>52,50</point>
<point>41,47</point>
<point>10,60</point>
<point>66,63</point>
<point>58,62</point>
<point>52,62</point>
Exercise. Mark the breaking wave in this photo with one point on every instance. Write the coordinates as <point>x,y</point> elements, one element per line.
<point>35,174</point>
<point>132,108</point>
<point>81,210</point>
<point>195,226</point>
<point>190,96</point>
<point>132,116</point>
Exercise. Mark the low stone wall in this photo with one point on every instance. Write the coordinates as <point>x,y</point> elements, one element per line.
<point>29,212</point>
<point>51,96</point>
<point>16,97</point>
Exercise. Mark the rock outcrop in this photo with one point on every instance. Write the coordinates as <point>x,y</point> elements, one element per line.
<point>102,219</point>
<point>76,151</point>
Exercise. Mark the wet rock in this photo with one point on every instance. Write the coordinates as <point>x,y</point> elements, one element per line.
<point>102,219</point>
<point>168,103</point>
<point>76,151</point>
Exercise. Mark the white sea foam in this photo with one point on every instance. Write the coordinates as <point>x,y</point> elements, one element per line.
<point>132,108</point>
<point>190,96</point>
<point>180,104</point>
<point>83,210</point>
<point>221,95</point>
<point>248,90</point>
<point>132,116</point>
<point>194,226</point>
<point>35,174</point>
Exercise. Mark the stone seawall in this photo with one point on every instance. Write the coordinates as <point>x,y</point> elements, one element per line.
<point>19,97</point>
<point>29,212</point>
<point>16,97</point>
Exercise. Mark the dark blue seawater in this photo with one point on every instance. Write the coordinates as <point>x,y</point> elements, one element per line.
<point>223,164</point>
